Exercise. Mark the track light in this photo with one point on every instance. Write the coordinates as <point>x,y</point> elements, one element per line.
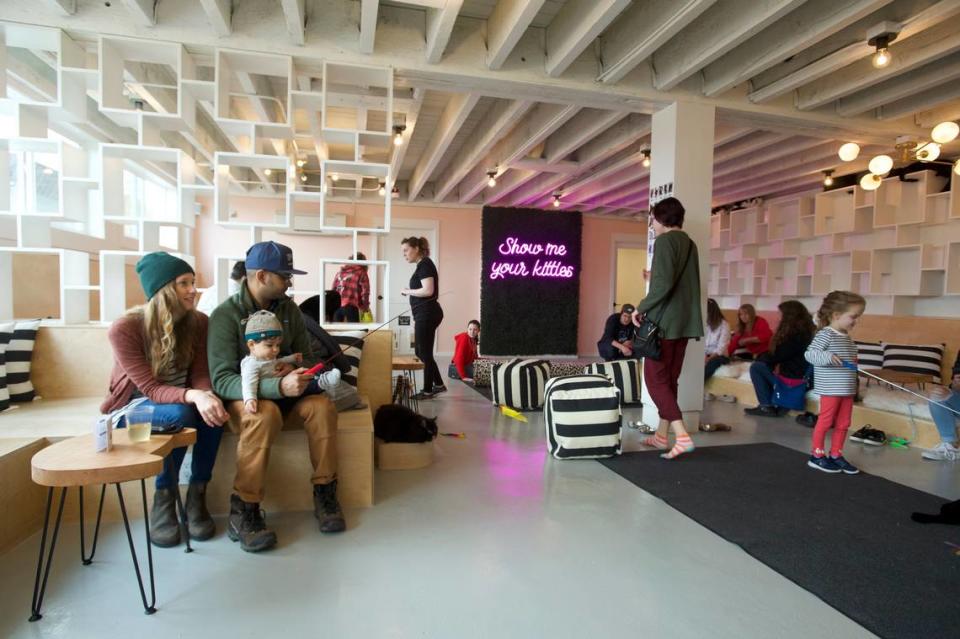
<point>849,151</point>
<point>492,178</point>
<point>645,162</point>
<point>398,134</point>
<point>945,132</point>
<point>556,200</point>
<point>382,190</point>
<point>870,182</point>
<point>828,178</point>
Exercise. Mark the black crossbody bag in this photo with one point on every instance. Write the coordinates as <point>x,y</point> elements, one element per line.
<point>646,339</point>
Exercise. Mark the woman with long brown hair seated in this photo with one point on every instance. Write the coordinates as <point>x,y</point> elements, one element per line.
<point>785,359</point>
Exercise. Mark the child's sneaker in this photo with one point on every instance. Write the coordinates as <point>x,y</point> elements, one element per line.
<point>328,380</point>
<point>869,435</point>
<point>844,465</point>
<point>825,464</point>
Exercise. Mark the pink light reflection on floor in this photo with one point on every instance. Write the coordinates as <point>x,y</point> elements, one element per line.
<point>515,472</point>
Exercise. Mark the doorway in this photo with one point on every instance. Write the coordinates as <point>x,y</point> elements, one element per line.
<point>629,262</point>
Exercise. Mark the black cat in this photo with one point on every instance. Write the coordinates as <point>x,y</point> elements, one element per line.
<point>949,514</point>
<point>396,423</point>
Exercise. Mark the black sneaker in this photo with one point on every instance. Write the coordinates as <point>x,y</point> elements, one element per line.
<point>422,395</point>
<point>248,526</point>
<point>439,389</point>
<point>824,464</point>
<point>869,435</point>
<point>844,465</point>
<point>763,411</point>
<point>807,419</point>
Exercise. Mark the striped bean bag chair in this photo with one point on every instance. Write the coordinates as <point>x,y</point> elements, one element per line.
<point>582,417</point>
<point>624,373</point>
<point>519,383</point>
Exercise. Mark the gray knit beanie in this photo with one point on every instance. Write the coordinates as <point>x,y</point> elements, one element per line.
<point>262,325</point>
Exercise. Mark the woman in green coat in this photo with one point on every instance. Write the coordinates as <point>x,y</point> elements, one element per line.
<point>673,302</point>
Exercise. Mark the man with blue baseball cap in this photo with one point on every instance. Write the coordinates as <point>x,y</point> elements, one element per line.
<point>281,401</point>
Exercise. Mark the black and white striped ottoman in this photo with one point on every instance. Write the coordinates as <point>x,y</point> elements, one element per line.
<point>624,373</point>
<point>582,416</point>
<point>519,383</point>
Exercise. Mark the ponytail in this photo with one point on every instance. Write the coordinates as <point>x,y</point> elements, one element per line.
<point>419,243</point>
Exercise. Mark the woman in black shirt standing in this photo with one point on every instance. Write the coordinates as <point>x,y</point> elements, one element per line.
<point>427,314</point>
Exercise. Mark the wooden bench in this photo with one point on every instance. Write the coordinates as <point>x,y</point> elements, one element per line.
<point>71,370</point>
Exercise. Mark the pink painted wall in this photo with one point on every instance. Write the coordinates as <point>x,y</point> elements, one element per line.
<point>459,264</point>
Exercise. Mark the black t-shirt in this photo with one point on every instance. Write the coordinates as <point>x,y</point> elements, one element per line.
<point>425,268</point>
<point>614,329</point>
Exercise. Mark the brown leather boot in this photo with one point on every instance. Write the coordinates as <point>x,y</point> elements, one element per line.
<point>248,526</point>
<point>199,522</point>
<point>164,527</point>
<point>326,508</point>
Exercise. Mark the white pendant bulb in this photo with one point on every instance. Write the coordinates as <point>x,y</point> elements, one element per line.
<point>849,151</point>
<point>945,132</point>
<point>929,152</point>
<point>881,164</point>
<point>870,182</point>
<point>882,58</point>
<point>956,167</point>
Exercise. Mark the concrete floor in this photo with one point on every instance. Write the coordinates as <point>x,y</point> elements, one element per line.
<point>494,540</point>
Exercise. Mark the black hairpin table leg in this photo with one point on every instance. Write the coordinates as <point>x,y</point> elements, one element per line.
<point>148,608</point>
<point>40,587</point>
<point>96,531</point>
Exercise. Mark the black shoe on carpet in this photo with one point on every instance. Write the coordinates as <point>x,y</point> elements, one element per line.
<point>763,411</point>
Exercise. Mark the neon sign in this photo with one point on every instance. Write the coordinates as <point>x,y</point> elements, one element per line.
<point>518,266</point>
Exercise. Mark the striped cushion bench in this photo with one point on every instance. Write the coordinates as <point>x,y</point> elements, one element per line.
<point>519,383</point>
<point>625,375</point>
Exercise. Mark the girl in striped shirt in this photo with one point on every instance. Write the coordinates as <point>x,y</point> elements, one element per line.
<point>835,382</point>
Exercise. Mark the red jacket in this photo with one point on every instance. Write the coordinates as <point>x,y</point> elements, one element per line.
<point>131,368</point>
<point>353,284</point>
<point>760,329</point>
<point>464,353</point>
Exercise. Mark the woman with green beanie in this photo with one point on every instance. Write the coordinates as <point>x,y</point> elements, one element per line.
<point>160,354</point>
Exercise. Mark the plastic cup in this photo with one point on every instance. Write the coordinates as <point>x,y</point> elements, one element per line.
<point>139,420</point>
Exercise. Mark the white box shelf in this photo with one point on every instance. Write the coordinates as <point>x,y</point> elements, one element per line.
<point>347,121</point>
<point>790,218</point>
<point>276,165</point>
<point>74,268</point>
<point>170,165</point>
<point>952,286</point>
<point>835,212</point>
<point>254,88</point>
<point>362,180</point>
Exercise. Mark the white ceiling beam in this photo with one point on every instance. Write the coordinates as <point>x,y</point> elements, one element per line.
<point>439,27</point>
<point>69,7</point>
<point>581,128</point>
<point>801,29</point>
<point>566,167</point>
<point>400,152</point>
<point>725,133</point>
<point>575,27</point>
<point>507,22</point>
<point>452,118</point>
<point>747,145</point>
<point>937,73</point>
<point>799,161</point>
<point>295,14</point>
<point>766,189</point>
<point>497,123</point>
<point>537,126</point>
<point>852,53</point>
<point>922,101</point>
<point>773,149</point>
<point>219,13</point>
<point>368,24</point>
<point>931,118</point>
<point>926,47</point>
<point>719,29</point>
<point>143,11</point>
<point>641,30</point>
<point>615,167</point>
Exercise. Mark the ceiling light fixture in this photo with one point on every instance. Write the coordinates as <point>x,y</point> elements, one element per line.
<point>928,152</point>
<point>303,178</point>
<point>881,165</point>
<point>301,163</point>
<point>492,178</point>
<point>334,177</point>
<point>849,151</point>
<point>828,178</point>
<point>645,162</point>
<point>880,36</point>
<point>945,132</point>
<point>956,167</point>
<point>268,171</point>
<point>382,190</point>
<point>556,200</point>
<point>870,182</point>
<point>398,134</point>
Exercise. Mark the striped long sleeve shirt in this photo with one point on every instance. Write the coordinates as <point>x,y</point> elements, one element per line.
<point>828,378</point>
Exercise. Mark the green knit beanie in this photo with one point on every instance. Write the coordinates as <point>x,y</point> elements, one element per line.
<point>157,269</point>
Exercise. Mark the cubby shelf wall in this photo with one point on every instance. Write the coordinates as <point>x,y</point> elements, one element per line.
<point>898,246</point>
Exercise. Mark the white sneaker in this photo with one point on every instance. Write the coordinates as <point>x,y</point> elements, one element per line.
<point>942,452</point>
<point>730,399</point>
<point>708,397</point>
<point>328,380</point>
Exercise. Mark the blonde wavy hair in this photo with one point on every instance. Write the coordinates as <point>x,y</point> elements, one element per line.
<point>169,340</point>
<point>838,302</point>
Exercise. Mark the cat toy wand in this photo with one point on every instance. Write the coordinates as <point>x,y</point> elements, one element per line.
<point>854,367</point>
<point>313,370</point>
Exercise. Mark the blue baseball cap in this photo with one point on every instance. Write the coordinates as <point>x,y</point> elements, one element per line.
<point>271,256</point>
